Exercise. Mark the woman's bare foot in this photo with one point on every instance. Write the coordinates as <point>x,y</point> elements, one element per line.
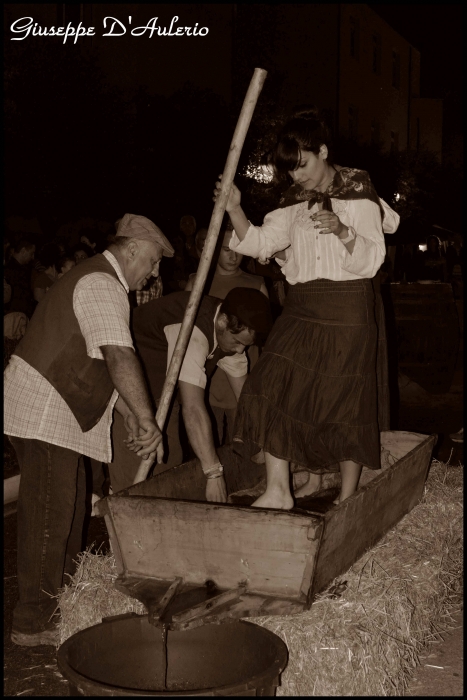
<point>277,494</point>
<point>312,485</point>
<point>350,473</point>
<point>274,498</point>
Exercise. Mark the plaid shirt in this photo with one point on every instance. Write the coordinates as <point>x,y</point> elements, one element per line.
<point>33,409</point>
<point>154,291</point>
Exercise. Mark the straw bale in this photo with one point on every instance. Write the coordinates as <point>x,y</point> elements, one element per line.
<point>364,634</point>
<point>90,595</point>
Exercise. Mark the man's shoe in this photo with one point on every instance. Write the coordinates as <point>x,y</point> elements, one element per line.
<point>458,437</point>
<point>48,637</point>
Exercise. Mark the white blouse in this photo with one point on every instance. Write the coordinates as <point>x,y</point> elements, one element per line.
<point>311,255</point>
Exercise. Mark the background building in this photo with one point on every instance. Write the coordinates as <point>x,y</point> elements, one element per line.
<point>349,61</point>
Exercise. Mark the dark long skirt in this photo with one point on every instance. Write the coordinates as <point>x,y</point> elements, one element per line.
<point>312,397</point>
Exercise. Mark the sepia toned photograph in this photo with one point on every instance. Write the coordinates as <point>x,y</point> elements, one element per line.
<point>269,197</point>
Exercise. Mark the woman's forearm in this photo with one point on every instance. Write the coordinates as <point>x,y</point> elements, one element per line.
<point>239,222</point>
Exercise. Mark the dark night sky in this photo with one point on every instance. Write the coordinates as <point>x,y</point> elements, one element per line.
<point>435,30</point>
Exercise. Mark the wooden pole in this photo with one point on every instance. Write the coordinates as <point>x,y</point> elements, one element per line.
<point>246,114</point>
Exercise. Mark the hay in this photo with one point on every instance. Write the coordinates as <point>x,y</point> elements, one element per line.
<point>398,598</point>
<point>90,595</point>
<point>364,635</point>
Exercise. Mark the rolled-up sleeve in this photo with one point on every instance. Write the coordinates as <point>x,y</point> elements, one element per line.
<point>192,370</point>
<point>263,241</point>
<point>369,250</point>
<point>102,310</point>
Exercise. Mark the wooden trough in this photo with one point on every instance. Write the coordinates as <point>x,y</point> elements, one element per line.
<point>192,562</point>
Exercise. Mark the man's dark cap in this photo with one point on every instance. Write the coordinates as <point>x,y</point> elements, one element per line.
<point>251,308</point>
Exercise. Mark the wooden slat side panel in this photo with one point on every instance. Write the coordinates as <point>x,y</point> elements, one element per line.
<point>119,562</point>
<point>310,566</point>
<point>187,481</point>
<point>360,521</point>
<point>266,549</point>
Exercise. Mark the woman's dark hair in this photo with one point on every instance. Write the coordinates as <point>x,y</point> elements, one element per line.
<point>307,130</point>
<point>82,246</point>
<point>48,255</point>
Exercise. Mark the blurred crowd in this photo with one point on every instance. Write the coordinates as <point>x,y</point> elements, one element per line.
<point>31,268</point>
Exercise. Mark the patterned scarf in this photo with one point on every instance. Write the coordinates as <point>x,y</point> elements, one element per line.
<point>348,183</point>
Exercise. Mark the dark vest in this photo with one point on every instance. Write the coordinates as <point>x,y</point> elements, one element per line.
<point>55,347</point>
<point>148,323</point>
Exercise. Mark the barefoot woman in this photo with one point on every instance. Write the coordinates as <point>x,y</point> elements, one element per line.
<point>312,397</point>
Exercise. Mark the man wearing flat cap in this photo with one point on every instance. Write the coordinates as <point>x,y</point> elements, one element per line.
<point>75,364</point>
<point>222,331</point>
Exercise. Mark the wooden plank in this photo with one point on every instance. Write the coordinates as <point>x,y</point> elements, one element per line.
<point>200,541</point>
<point>360,521</point>
<point>187,481</point>
<point>208,607</point>
<point>245,606</point>
<point>114,542</point>
<point>157,610</point>
<point>315,536</point>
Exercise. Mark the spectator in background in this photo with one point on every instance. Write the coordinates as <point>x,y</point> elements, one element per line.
<point>186,259</point>
<point>82,252</point>
<point>95,240</point>
<point>153,289</point>
<point>18,274</point>
<point>64,264</point>
<point>227,276</point>
<point>433,263</point>
<point>200,239</point>
<point>48,257</point>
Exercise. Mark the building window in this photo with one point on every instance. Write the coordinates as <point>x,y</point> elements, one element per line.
<point>394,141</point>
<point>396,70</point>
<point>354,38</point>
<point>374,132</point>
<point>376,62</point>
<point>353,123</point>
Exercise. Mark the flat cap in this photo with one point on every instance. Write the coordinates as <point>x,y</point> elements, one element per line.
<point>134,226</point>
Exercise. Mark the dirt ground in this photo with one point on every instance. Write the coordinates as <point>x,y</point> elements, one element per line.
<point>34,672</point>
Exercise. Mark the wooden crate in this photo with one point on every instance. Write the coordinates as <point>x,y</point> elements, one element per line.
<point>261,561</point>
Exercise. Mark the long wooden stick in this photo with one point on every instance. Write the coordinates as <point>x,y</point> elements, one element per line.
<point>246,114</point>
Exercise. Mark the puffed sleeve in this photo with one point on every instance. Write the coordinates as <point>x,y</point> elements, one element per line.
<point>391,218</point>
<point>369,250</point>
<point>263,241</point>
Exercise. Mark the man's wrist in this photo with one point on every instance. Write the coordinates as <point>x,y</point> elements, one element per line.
<point>211,467</point>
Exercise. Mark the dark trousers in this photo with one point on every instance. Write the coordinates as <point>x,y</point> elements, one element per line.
<point>50,516</point>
